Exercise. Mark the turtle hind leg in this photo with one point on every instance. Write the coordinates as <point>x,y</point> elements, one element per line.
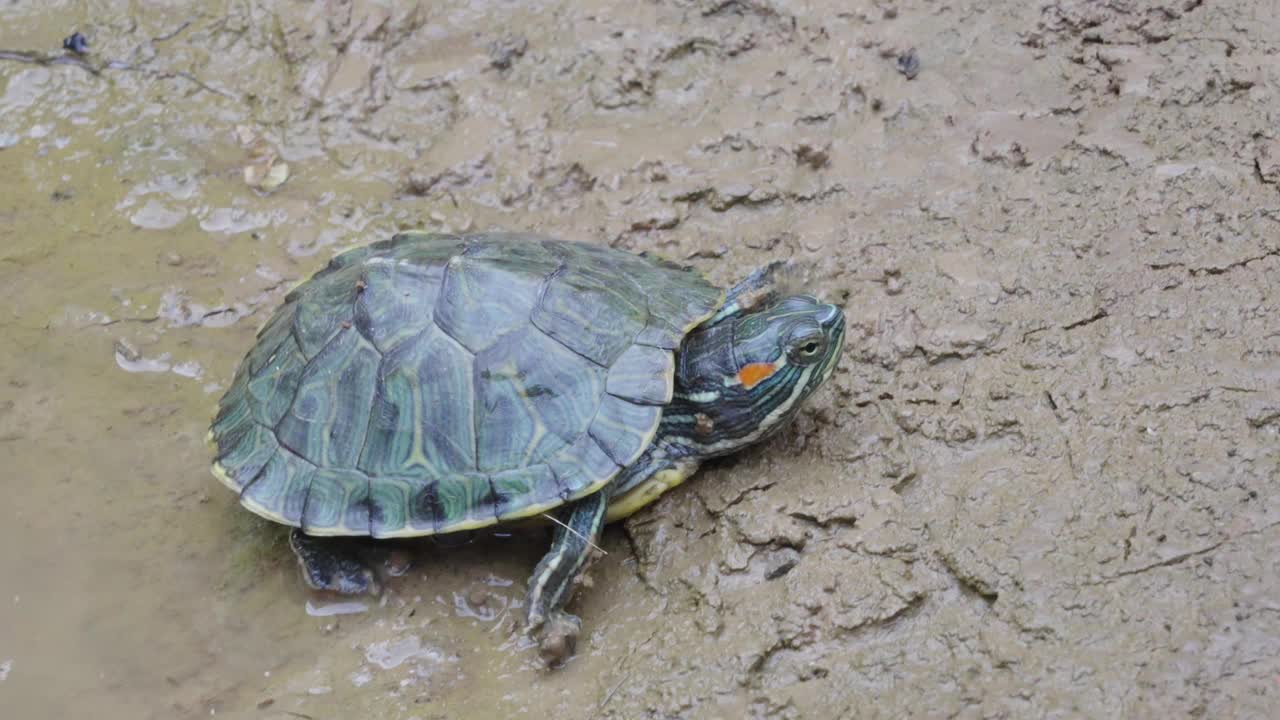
<point>553,580</point>
<point>333,564</point>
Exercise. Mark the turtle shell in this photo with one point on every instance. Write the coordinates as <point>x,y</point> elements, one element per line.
<point>437,383</point>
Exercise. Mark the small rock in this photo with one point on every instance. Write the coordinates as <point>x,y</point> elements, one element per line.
<point>265,170</point>
<point>266,174</point>
<point>397,562</point>
<point>909,64</point>
<point>504,51</point>
<point>558,645</point>
<point>781,563</point>
<point>1268,162</point>
<point>126,350</point>
<point>76,42</point>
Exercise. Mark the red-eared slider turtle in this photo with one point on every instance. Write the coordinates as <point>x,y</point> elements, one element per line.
<point>433,384</point>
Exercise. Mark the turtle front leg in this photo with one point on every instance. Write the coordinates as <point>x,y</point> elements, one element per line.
<point>332,564</point>
<point>553,580</point>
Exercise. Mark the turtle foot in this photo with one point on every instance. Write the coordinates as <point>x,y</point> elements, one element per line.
<point>557,637</point>
<point>332,565</point>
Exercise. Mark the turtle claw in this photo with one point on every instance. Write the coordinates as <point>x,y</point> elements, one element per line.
<point>557,637</point>
<point>332,566</point>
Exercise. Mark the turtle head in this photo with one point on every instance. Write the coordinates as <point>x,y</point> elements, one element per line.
<point>746,374</point>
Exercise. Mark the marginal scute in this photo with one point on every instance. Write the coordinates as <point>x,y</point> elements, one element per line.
<point>644,375</point>
<point>582,468</point>
<point>463,502</point>
<point>391,503</point>
<point>421,421</point>
<point>279,491</point>
<point>330,412</point>
<point>270,336</point>
<point>424,248</point>
<point>353,256</point>
<point>337,503</point>
<point>274,384</point>
<point>679,304</point>
<point>245,451</point>
<point>682,302</point>
<point>624,429</point>
<point>658,333</point>
<point>235,414</point>
<point>525,491</point>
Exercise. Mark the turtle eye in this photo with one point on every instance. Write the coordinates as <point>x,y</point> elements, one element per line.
<point>806,344</point>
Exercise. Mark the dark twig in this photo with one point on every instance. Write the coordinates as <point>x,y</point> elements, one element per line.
<point>36,58</point>
<point>172,33</point>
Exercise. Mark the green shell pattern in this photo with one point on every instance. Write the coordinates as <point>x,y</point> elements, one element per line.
<point>437,383</point>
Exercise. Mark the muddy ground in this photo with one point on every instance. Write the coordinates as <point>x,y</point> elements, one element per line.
<point>1043,482</point>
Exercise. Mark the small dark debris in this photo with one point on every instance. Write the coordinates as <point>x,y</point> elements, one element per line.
<point>781,564</point>
<point>76,42</point>
<point>264,704</point>
<point>61,195</point>
<point>909,64</point>
<point>816,157</point>
<point>534,391</point>
<point>504,51</point>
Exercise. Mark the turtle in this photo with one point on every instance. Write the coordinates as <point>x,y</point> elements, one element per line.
<point>431,383</point>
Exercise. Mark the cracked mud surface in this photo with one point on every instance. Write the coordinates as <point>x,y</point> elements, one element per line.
<point>1042,484</point>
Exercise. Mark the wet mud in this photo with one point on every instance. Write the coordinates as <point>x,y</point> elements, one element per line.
<point>1042,483</point>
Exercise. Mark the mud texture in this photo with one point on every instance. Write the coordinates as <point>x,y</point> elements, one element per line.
<point>1043,483</point>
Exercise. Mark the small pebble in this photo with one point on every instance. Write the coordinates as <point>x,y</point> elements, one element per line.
<point>780,566</point>
<point>506,50</point>
<point>909,64</point>
<point>76,42</point>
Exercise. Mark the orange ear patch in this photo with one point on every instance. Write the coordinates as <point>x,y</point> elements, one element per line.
<point>755,373</point>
